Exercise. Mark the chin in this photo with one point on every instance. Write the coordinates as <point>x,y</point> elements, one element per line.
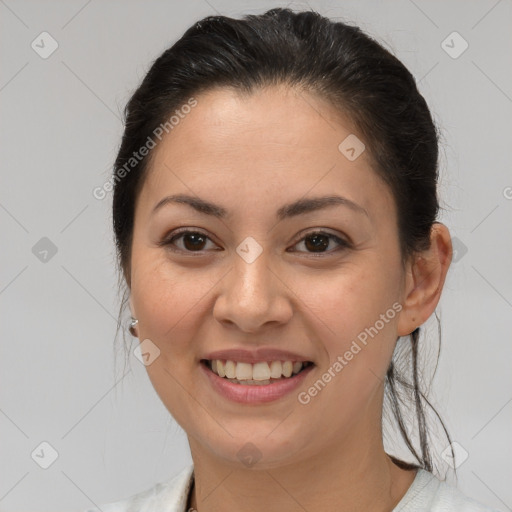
<point>254,445</point>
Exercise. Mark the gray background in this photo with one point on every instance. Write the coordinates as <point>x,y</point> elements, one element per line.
<point>61,126</point>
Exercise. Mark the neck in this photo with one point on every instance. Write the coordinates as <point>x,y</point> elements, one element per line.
<point>338,480</point>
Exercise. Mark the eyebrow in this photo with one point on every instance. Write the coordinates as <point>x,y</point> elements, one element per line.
<point>300,207</point>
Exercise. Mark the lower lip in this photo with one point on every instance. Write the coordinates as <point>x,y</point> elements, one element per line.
<point>255,394</point>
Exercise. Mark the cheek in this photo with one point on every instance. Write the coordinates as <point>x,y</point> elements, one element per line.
<point>168,303</point>
<point>359,334</point>
<point>166,299</point>
<point>355,317</point>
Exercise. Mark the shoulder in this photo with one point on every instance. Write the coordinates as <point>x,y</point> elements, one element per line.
<point>170,495</point>
<point>429,494</point>
<point>449,497</point>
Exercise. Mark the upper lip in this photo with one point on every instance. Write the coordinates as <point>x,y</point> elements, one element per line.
<point>243,355</point>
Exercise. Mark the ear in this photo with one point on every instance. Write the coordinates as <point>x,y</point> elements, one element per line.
<point>425,277</point>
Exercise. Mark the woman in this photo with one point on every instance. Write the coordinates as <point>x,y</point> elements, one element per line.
<point>275,214</point>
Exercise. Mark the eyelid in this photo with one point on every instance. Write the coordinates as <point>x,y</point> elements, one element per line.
<point>322,231</point>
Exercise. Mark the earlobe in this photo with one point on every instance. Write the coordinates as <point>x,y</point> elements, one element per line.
<point>425,280</point>
<point>133,321</point>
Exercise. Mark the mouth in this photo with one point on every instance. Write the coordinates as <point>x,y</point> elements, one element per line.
<point>263,373</point>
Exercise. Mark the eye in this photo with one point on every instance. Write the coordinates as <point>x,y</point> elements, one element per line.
<point>318,241</point>
<point>315,242</point>
<point>193,241</point>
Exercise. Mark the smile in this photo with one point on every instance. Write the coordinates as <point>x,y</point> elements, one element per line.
<point>261,373</point>
<point>260,382</point>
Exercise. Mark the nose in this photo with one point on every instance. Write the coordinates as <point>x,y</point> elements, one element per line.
<point>253,296</point>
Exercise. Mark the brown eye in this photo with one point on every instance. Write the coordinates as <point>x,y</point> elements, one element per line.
<point>319,241</point>
<point>194,241</point>
<point>316,242</point>
<point>191,241</point>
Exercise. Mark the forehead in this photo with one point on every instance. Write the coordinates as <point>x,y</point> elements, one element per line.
<point>282,120</point>
<point>266,148</point>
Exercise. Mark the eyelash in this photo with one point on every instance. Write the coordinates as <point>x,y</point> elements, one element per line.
<point>169,242</point>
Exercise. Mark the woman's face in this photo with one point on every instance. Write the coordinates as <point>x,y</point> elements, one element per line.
<point>256,279</point>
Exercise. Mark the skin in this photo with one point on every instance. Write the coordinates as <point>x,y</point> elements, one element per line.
<point>251,155</point>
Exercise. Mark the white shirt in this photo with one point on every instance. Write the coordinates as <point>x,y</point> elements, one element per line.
<point>426,494</point>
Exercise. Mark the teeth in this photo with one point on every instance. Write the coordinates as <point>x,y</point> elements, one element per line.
<point>287,368</point>
<point>230,369</point>
<point>251,382</point>
<point>276,369</point>
<point>258,373</point>
<point>243,371</point>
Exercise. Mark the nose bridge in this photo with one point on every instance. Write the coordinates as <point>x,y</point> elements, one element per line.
<point>251,281</point>
<point>251,294</point>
